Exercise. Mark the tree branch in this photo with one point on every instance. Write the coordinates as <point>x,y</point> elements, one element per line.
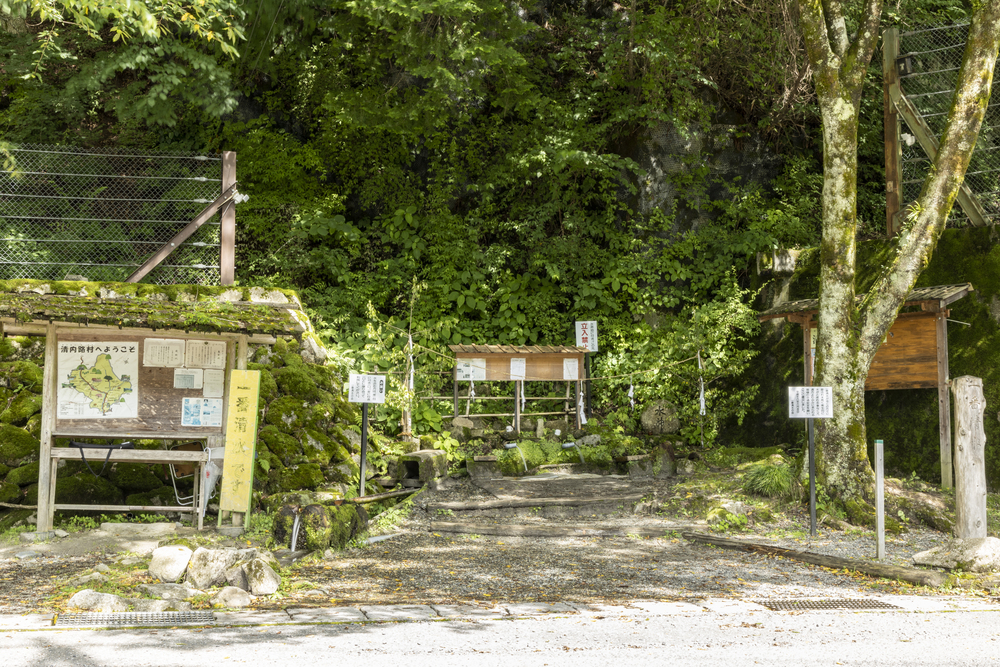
<point>815,33</point>
<point>836,26</point>
<point>864,43</point>
<point>925,224</point>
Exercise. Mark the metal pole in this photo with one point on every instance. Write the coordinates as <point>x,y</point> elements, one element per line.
<point>812,479</point>
<point>364,447</point>
<point>879,500</point>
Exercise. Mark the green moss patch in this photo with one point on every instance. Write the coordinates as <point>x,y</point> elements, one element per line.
<point>21,408</point>
<point>24,475</point>
<point>304,476</point>
<point>135,477</point>
<point>16,445</point>
<point>85,489</point>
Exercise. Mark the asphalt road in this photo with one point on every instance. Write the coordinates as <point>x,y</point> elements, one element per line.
<point>615,637</point>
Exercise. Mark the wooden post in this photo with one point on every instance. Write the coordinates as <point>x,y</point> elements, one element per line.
<point>944,401</point>
<point>970,466</point>
<point>227,251</point>
<point>893,156</point>
<point>455,389</point>
<point>242,351</point>
<point>579,395</point>
<point>46,478</point>
<point>807,352</point>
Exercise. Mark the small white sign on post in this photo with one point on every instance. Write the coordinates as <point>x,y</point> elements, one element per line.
<point>810,402</point>
<point>366,388</point>
<point>586,335</point>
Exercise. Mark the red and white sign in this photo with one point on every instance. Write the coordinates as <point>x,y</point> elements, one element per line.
<point>586,335</point>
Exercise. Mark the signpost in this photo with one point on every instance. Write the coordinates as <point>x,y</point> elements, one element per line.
<point>365,389</point>
<point>811,403</point>
<point>586,336</point>
<point>879,500</point>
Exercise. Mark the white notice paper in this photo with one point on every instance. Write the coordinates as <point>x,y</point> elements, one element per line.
<point>366,388</point>
<point>517,366</point>
<point>201,412</point>
<point>162,352</point>
<point>205,354</point>
<point>810,402</point>
<point>571,369</point>
<point>215,383</point>
<point>471,369</point>
<point>187,378</point>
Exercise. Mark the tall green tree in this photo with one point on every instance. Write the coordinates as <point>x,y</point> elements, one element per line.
<point>851,331</point>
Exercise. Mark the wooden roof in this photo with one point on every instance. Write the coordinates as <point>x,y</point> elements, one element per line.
<point>516,349</point>
<point>934,296</point>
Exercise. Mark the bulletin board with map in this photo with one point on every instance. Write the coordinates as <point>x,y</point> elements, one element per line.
<point>130,385</point>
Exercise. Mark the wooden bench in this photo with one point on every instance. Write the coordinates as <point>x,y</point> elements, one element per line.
<point>153,456</point>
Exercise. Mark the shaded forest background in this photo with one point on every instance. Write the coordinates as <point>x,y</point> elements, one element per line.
<point>489,172</point>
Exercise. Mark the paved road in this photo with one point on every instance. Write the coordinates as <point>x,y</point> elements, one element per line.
<point>925,631</point>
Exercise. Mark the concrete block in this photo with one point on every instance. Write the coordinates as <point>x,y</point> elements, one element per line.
<point>423,465</point>
<point>484,468</point>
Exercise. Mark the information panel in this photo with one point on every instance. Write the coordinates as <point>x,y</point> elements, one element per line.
<point>366,388</point>
<point>810,402</point>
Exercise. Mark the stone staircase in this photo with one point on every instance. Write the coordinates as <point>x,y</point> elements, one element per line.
<point>558,504</point>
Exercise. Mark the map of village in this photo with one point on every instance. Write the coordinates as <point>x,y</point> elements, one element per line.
<point>100,384</point>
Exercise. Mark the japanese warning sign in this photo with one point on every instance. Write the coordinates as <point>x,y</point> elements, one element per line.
<point>586,335</point>
<point>810,402</point>
<point>366,388</point>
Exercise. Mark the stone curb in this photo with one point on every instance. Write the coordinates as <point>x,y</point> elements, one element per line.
<point>439,612</point>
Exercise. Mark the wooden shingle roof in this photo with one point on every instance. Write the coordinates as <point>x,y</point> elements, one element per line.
<point>516,349</point>
<point>937,294</point>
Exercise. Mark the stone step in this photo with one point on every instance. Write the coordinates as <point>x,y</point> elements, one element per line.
<point>665,529</point>
<point>583,506</point>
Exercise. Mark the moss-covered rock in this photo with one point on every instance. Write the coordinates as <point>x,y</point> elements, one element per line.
<point>163,495</point>
<point>322,449</point>
<point>268,386</point>
<point>284,446</point>
<point>295,380</point>
<point>34,426</point>
<point>11,518</point>
<point>16,445</point>
<point>288,414</point>
<point>85,489</point>
<point>21,408</point>
<point>4,469</point>
<point>135,477</point>
<point>24,475</point>
<point>304,476</point>
<point>16,375</point>
<point>9,492</point>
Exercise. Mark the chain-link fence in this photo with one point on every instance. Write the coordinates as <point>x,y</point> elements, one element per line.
<point>66,211</point>
<point>931,59</point>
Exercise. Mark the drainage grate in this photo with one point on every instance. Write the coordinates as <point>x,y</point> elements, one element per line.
<point>820,605</point>
<point>135,618</point>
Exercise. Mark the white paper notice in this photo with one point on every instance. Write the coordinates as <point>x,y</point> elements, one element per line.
<point>517,366</point>
<point>201,412</point>
<point>571,369</point>
<point>471,369</point>
<point>205,354</point>
<point>215,383</point>
<point>366,388</point>
<point>810,402</point>
<point>187,378</point>
<point>163,352</point>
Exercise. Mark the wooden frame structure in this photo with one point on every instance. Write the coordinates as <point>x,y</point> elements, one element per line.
<point>914,354</point>
<point>161,398</point>
<point>520,364</point>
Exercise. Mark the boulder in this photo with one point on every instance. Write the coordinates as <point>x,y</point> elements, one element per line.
<point>977,554</point>
<point>208,567</point>
<point>233,597</point>
<point>263,580</point>
<point>95,577</point>
<point>660,417</point>
<point>169,591</point>
<point>169,563</point>
<point>236,577</point>
<point>144,605</point>
<point>91,600</point>
<point>591,440</point>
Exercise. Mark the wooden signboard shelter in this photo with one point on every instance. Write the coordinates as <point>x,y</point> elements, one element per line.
<point>913,356</point>
<point>520,364</point>
<point>113,371</point>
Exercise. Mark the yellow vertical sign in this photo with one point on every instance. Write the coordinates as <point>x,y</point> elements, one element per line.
<point>241,441</point>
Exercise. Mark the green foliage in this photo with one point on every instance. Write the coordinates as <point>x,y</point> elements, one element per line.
<point>771,480</point>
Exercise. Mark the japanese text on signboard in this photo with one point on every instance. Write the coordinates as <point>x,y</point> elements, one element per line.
<point>810,402</point>
<point>366,388</point>
<point>586,335</point>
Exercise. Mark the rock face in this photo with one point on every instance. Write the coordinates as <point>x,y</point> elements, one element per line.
<point>208,567</point>
<point>263,580</point>
<point>979,554</point>
<point>169,563</point>
<point>91,600</point>
<point>169,591</point>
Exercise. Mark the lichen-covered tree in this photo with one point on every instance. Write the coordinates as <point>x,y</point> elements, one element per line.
<point>851,331</point>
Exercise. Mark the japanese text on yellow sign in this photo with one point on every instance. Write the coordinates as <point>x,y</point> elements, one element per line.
<point>241,441</point>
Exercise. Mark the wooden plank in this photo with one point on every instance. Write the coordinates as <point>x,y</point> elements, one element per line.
<point>227,232</point>
<point>893,155</point>
<point>930,578</point>
<point>131,455</point>
<point>37,328</point>
<point>126,508</point>
<point>504,503</point>
<point>807,355</point>
<point>125,435</point>
<point>572,530</point>
<point>241,441</point>
<point>944,402</point>
<point>970,461</point>
<point>182,235</point>
<point>908,357</point>
<point>46,480</point>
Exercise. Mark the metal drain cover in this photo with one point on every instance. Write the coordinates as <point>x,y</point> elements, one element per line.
<point>820,605</point>
<point>136,618</point>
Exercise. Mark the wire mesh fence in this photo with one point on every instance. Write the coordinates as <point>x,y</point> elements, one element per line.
<point>65,212</point>
<point>932,58</point>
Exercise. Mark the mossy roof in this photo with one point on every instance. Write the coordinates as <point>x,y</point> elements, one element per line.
<point>131,305</point>
<point>936,294</point>
<point>516,349</point>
